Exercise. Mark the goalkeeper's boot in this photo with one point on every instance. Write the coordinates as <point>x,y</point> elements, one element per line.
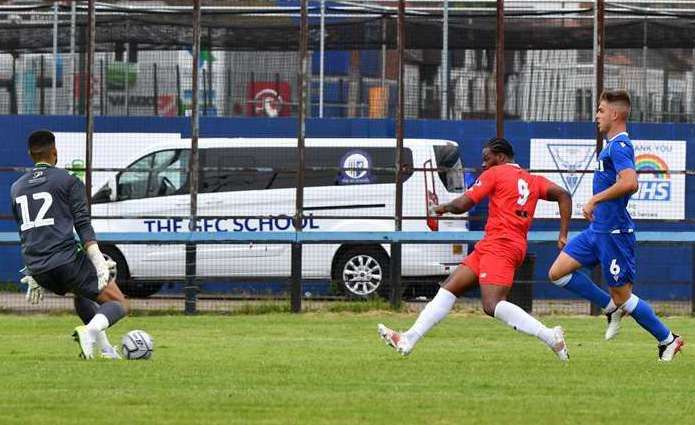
<point>614,318</point>
<point>559,346</point>
<point>110,353</point>
<point>395,340</point>
<point>107,350</point>
<point>668,352</point>
<point>87,340</point>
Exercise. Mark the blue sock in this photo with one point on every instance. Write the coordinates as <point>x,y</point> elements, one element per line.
<point>581,285</point>
<point>643,314</point>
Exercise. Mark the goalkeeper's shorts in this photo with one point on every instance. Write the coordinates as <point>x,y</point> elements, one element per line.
<point>78,277</point>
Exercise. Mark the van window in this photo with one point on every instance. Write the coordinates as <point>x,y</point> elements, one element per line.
<point>214,177</point>
<point>132,183</point>
<point>217,177</point>
<point>157,174</point>
<point>447,156</point>
<point>170,175</point>
<point>346,157</point>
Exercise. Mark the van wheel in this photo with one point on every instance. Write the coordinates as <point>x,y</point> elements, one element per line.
<point>129,287</point>
<point>362,271</point>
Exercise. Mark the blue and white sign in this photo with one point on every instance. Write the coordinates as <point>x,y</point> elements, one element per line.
<point>355,159</point>
<point>661,194</point>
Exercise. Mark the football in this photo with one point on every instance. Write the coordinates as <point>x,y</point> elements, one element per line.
<point>137,345</point>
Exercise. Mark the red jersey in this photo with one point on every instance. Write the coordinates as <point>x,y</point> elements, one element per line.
<point>513,194</point>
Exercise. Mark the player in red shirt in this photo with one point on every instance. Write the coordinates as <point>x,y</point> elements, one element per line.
<point>513,194</point>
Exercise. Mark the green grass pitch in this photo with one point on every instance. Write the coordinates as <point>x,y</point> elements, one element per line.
<point>331,368</point>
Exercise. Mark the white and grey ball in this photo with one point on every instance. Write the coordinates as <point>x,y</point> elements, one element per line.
<point>137,345</point>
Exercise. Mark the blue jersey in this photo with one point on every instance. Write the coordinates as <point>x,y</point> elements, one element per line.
<point>611,216</point>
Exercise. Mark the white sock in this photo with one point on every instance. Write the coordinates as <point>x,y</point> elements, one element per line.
<point>434,311</point>
<point>517,318</point>
<point>631,304</point>
<point>98,323</point>
<point>610,308</point>
<point>103,340</point>
<point>669,339</point>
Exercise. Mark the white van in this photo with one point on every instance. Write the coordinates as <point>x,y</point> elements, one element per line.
<point>357,269</point>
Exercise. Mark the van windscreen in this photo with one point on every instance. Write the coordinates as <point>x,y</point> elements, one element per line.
<point>447,157</point>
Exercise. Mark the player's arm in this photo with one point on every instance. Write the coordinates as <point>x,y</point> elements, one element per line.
<point>80,213</point>
<point>626,183</point>
<point>85,231</point>
<point>14,211</point>
<point>481,189</point>
<point>34,290</point>
<point>458,206</point>
<point>557,194</point>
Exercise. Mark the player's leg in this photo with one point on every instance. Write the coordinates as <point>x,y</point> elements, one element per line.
<point>112,306</point>
<point>619,267</point>
<point>86,309</point>
<point>564,272</point>
<point>459,281</point>
<point>494,289</point>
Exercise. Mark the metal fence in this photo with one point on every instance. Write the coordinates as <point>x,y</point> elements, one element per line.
<point>248,61</point>
<point>377,62</point>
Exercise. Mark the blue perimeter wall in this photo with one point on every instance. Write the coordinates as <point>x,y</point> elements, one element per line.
<point>664,272</point>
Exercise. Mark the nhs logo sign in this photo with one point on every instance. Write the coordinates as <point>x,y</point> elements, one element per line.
<point>659,163</point>
<point>654,178</point>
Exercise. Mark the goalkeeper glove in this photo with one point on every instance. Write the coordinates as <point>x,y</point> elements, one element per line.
<point>34,290</point>
<point>100,264</point>
<point>113,269</point>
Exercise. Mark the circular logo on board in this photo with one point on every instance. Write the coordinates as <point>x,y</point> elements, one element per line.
<point>355,159</point>
<point>268,102</point>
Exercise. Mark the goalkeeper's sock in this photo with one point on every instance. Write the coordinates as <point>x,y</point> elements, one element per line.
<point>108,314</point>
<point>85,308</point>
<point>103,340</point>
<point>434,311</point>
<point>99,323</point>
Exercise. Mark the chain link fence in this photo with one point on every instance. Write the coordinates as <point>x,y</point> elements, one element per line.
<point>248,67</point>
<point>248,63</point>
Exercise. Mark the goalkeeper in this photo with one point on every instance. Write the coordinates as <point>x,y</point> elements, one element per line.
<point>47,203</point>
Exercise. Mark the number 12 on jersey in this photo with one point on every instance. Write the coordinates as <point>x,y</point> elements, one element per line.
<point>41,220</point>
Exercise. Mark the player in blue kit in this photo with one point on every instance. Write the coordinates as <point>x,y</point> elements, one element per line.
<point>610,238</point>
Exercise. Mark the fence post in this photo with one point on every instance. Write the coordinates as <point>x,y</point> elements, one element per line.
<point>42,93</point>
<point>155,93</point>
<point>303,76</point>
<point>395,275</point>
<point>102,90</point>
<point>89,101</point>
<point>500,70</point>
<point>179,104</point>
<point>296,279</point>
<point>191,289</point>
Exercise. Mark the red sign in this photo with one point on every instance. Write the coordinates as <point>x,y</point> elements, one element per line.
<point>166,105</point>
<point>268,99</point>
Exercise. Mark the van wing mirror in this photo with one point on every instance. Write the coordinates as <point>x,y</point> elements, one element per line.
<point>103,195</point>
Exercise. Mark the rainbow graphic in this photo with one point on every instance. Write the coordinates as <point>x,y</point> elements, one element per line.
<point>655,164</point>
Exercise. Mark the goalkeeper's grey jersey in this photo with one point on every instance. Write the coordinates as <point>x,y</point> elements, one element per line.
<point>47,203</point>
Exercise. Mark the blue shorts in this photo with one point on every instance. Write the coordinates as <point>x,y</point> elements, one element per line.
<point>614,251</point>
